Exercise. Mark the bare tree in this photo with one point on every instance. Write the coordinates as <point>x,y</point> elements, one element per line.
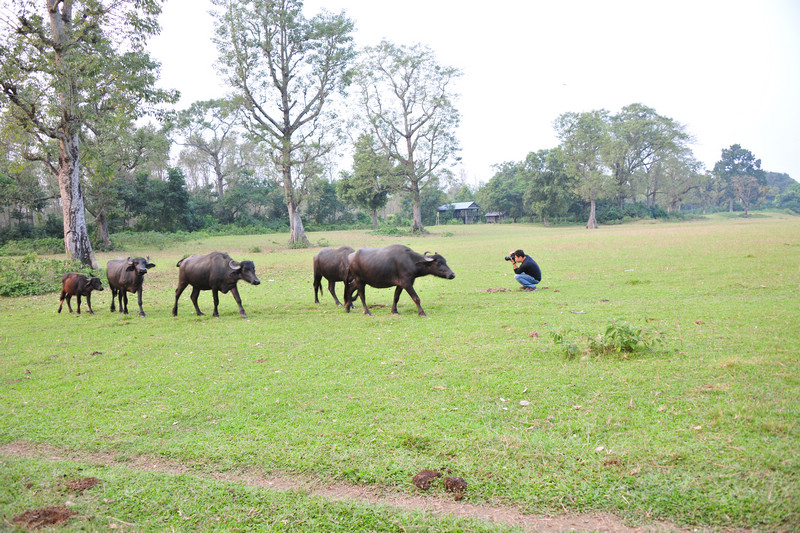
<point>407,100</point>
<point>286,68</point>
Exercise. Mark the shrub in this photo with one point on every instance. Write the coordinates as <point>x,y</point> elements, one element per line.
<point>44,245</point>
<point>621,338</point>
<point>31,275</point>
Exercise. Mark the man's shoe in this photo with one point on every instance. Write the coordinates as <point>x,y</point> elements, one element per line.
<point>529,289</point>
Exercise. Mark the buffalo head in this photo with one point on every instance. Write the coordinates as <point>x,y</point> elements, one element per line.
<point>246,270</point>
<point>437,265</point>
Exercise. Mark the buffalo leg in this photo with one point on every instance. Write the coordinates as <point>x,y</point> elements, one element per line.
<point>113,298</point>
<point>215,295</point>
<point>235,293</point>
<point>411,292</point>
<point>139,300</point>
<point>361,291</point>
<point>89,303</point>
<point>61,300</point>
<point>178,292</point>
<point>195,293</point>
<point>79,303</point>
<point>317,287</point>
<point>69,302</point>
<point>332,290</point>
<point>397,291</point>
<point>123,299</point>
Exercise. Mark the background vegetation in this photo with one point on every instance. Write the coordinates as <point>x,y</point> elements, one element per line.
<point>502,388</point>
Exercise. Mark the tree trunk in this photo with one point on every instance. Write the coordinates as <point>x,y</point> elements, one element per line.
<point>416,223</point>
<point>416,217</point>
<point>76,235</point>
<point>297,233</point>
<point>102,228</point>
<point>592,223</point>
<point>374,219</point>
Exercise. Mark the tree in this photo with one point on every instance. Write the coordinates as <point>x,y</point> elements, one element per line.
<point>742,171</point>
<point>407,103</point>
<point>324,205</point>
<point>371,181</point>
<point>505,191</point>
<point>640,139</point>
<point>60,69</point>
<point>114,152</point>
<point>584,140</point>
<point>679,176</point>
<point>549,186</point>
<point>286,68</point>
<point>208,129</point>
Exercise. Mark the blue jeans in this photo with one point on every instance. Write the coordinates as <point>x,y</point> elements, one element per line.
<point>526,280</point>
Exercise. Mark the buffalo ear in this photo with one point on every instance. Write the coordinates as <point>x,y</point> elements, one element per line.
<point>130,264</point>
<point>150,265</point>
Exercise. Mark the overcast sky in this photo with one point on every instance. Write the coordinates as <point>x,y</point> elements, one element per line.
<point>727,70</point>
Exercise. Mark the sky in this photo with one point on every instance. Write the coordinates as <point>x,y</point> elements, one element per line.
<point>729,71</point>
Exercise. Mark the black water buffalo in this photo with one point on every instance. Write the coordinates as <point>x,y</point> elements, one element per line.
<point>331,265</point>
<point>74,284</point>
<point>215,272</point>
<point>124,276</point>
<point>393,266</point>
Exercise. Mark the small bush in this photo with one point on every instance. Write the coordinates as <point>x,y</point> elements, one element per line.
<point>621,338</point>
<point>31,275</point>
<point>390,232</point>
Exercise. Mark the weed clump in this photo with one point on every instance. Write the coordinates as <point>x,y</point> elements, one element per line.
<point>620,339</point>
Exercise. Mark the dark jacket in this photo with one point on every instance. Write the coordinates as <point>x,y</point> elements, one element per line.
<point>529,266</point>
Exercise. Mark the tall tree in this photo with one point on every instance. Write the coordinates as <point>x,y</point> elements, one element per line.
<point>61,63</point>
<point>742,171</point>
<point>371,181</point>
<point>640,138</point>
<point>678,177</point>
<point>407,102</point>
<point>286,68</point>
<point>584,140</point>
<point>505,191</point>
<point>549,186</point>
<point>208,128</point>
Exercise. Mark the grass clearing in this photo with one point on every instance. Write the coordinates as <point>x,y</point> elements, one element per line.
<point>699,430</point>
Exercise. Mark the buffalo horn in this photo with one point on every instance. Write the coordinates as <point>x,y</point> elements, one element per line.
<point>425,255</point>
<point>234,265</point>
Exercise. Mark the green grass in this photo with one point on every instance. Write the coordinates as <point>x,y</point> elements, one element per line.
<point>700,430</point>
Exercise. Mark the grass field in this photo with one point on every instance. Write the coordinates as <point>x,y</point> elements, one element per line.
<point>699,428</point>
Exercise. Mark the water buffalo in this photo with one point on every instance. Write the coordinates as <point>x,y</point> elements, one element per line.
<point>331,265</point>
<point>215,272</point>
<point>124,276</point>
<point>394,266</point>
<point>74,284</point>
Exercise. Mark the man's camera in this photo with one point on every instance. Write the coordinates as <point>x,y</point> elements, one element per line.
<point>507,258</point>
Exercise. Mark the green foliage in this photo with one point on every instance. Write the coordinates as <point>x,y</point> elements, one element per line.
<point>620,338</point>
<point>30,275</point>
<point>45,246</point>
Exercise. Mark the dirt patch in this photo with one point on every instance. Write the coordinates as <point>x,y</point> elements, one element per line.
<point>80,485</point>
<point>49,516</point>
<point>370,495</point>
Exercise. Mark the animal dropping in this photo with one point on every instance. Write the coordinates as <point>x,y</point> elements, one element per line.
<point>424,478</point>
